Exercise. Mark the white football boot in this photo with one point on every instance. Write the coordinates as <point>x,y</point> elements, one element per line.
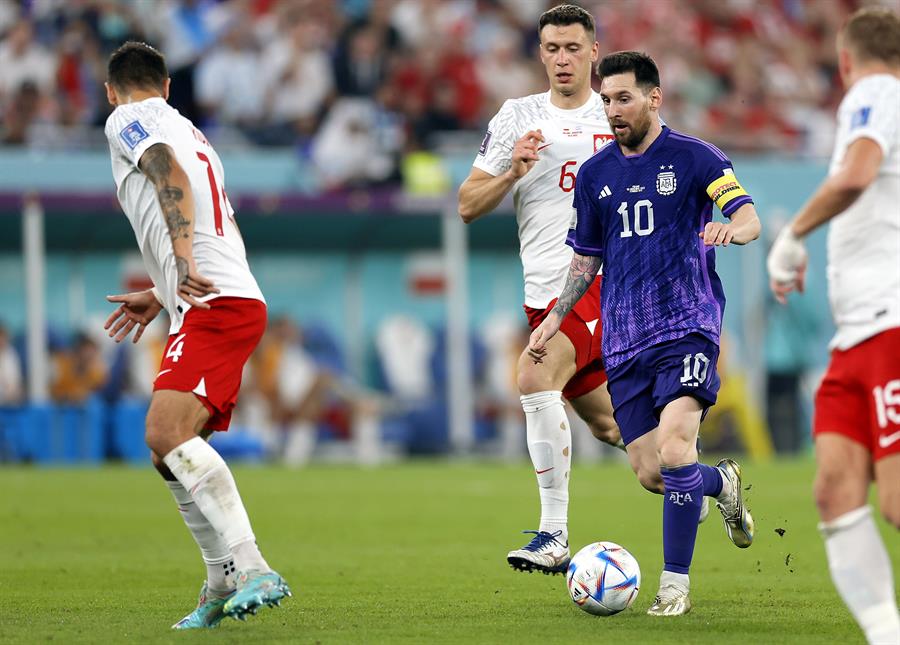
<point>673,598</point>
<point>738,521</point>
<point>546,553</point>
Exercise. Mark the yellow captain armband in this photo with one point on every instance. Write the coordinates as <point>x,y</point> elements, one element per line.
<point>725,189</point>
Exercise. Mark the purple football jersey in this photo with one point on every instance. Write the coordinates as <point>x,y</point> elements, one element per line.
<point>643,214</point>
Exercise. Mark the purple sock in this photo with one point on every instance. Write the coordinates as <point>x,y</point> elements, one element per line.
<point>712,480</point>
<point>681,512</point>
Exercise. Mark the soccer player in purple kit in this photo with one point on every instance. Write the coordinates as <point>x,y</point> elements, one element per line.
<point>643,209</point>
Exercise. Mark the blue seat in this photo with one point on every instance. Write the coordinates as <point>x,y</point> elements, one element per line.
<point>68,434</point>
<point>13,438</point>
<point>128,416</point>
<point>236,445</point>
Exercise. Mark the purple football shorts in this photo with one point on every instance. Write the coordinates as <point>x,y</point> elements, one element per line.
<point>643,385</point>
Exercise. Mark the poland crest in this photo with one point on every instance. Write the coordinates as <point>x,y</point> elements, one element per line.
<point>665,183</point>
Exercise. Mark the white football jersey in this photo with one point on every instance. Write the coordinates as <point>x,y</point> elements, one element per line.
<point>864,240</point>
<point>543,197</point>
<point>218,247</point>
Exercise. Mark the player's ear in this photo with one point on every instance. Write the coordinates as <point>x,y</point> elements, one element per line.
<point>110,95</point>
<point>166,88</point>
<point>595,52</point>
<point>655,98</point>
<point>845,62</point>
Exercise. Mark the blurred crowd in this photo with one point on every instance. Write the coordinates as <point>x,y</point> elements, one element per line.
<point>354,85</point>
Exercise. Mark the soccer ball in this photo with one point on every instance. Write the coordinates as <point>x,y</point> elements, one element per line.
<point>603,578</point>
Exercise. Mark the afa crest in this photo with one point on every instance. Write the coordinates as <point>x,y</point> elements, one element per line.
<point>666,183</point>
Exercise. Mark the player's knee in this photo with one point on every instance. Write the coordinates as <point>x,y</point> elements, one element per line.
<point>530,380</point>
<point>890,507</point>
<point>829,490</point>
<point>163,434</point>
<point>675,451</point>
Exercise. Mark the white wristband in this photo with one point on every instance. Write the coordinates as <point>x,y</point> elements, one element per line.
<point>786,257</point>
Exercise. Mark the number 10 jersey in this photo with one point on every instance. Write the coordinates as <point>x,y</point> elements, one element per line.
<point>643,215</point>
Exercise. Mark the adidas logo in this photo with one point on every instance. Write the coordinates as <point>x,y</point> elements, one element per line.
<point>606,192</point>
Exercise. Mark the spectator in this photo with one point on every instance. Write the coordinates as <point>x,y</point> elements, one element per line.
<point>363,52</point>
<point>223,77</point>
<point>302,395</point>
<point>299,77</point>
<point>358,144</point>
<point>11,390</point>
<point>23,61</point>
<point>78,372</point>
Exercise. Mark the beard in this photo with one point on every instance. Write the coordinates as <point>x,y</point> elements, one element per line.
<point>632,137</point>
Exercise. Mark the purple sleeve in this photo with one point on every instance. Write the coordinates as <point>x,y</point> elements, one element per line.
<point>586,228</point>
<point>717,178</point>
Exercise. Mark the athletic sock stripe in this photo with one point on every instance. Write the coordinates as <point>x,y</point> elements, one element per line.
<point>683,483</point>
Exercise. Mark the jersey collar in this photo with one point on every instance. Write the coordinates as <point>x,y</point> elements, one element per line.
<point>640,159</point>
<point>589,108</point>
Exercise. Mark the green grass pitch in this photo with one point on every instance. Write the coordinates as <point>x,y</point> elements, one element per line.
<point>412,553</point>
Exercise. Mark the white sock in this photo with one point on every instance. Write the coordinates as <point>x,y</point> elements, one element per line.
<point>726,486</point>
<point>216,554</point>
<point>203,473</point>
<point>861,571</point>
<point>550,444</point>
<point>680,580</point>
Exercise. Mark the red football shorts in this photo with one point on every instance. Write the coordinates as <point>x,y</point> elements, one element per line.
<point>859,397</point>
<point>208,353</point>
<point>583,327</point>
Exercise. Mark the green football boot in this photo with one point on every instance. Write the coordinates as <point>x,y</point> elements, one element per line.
<point>209,611</point>
<point>256,589</point>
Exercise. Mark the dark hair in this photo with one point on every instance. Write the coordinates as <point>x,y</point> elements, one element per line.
<point>646,74</point>
<point>567,14</point>
<point>137,66</point>
<point>873,33</point>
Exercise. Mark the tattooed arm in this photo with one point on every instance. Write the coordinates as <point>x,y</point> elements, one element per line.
<point>159,165</point>
<point>582,271</point>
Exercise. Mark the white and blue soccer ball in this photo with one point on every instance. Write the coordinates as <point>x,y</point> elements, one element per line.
<point>603,578</point>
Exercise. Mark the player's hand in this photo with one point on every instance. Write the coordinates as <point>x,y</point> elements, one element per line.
<point>136,310</point>
<point>525,153</point>
<point>787,265</point>
<point>537,343</point>
<point>717,234</point>
<point>192,285</point>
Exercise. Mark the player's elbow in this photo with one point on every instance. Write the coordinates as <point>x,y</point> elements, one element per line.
<point>466,207</point>
<point>851,185</point>
<point>466,212</point>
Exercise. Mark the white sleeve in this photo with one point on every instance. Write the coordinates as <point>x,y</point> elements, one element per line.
<point>495,154</point>
<point>131,130</point>
<point>874,115</point>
